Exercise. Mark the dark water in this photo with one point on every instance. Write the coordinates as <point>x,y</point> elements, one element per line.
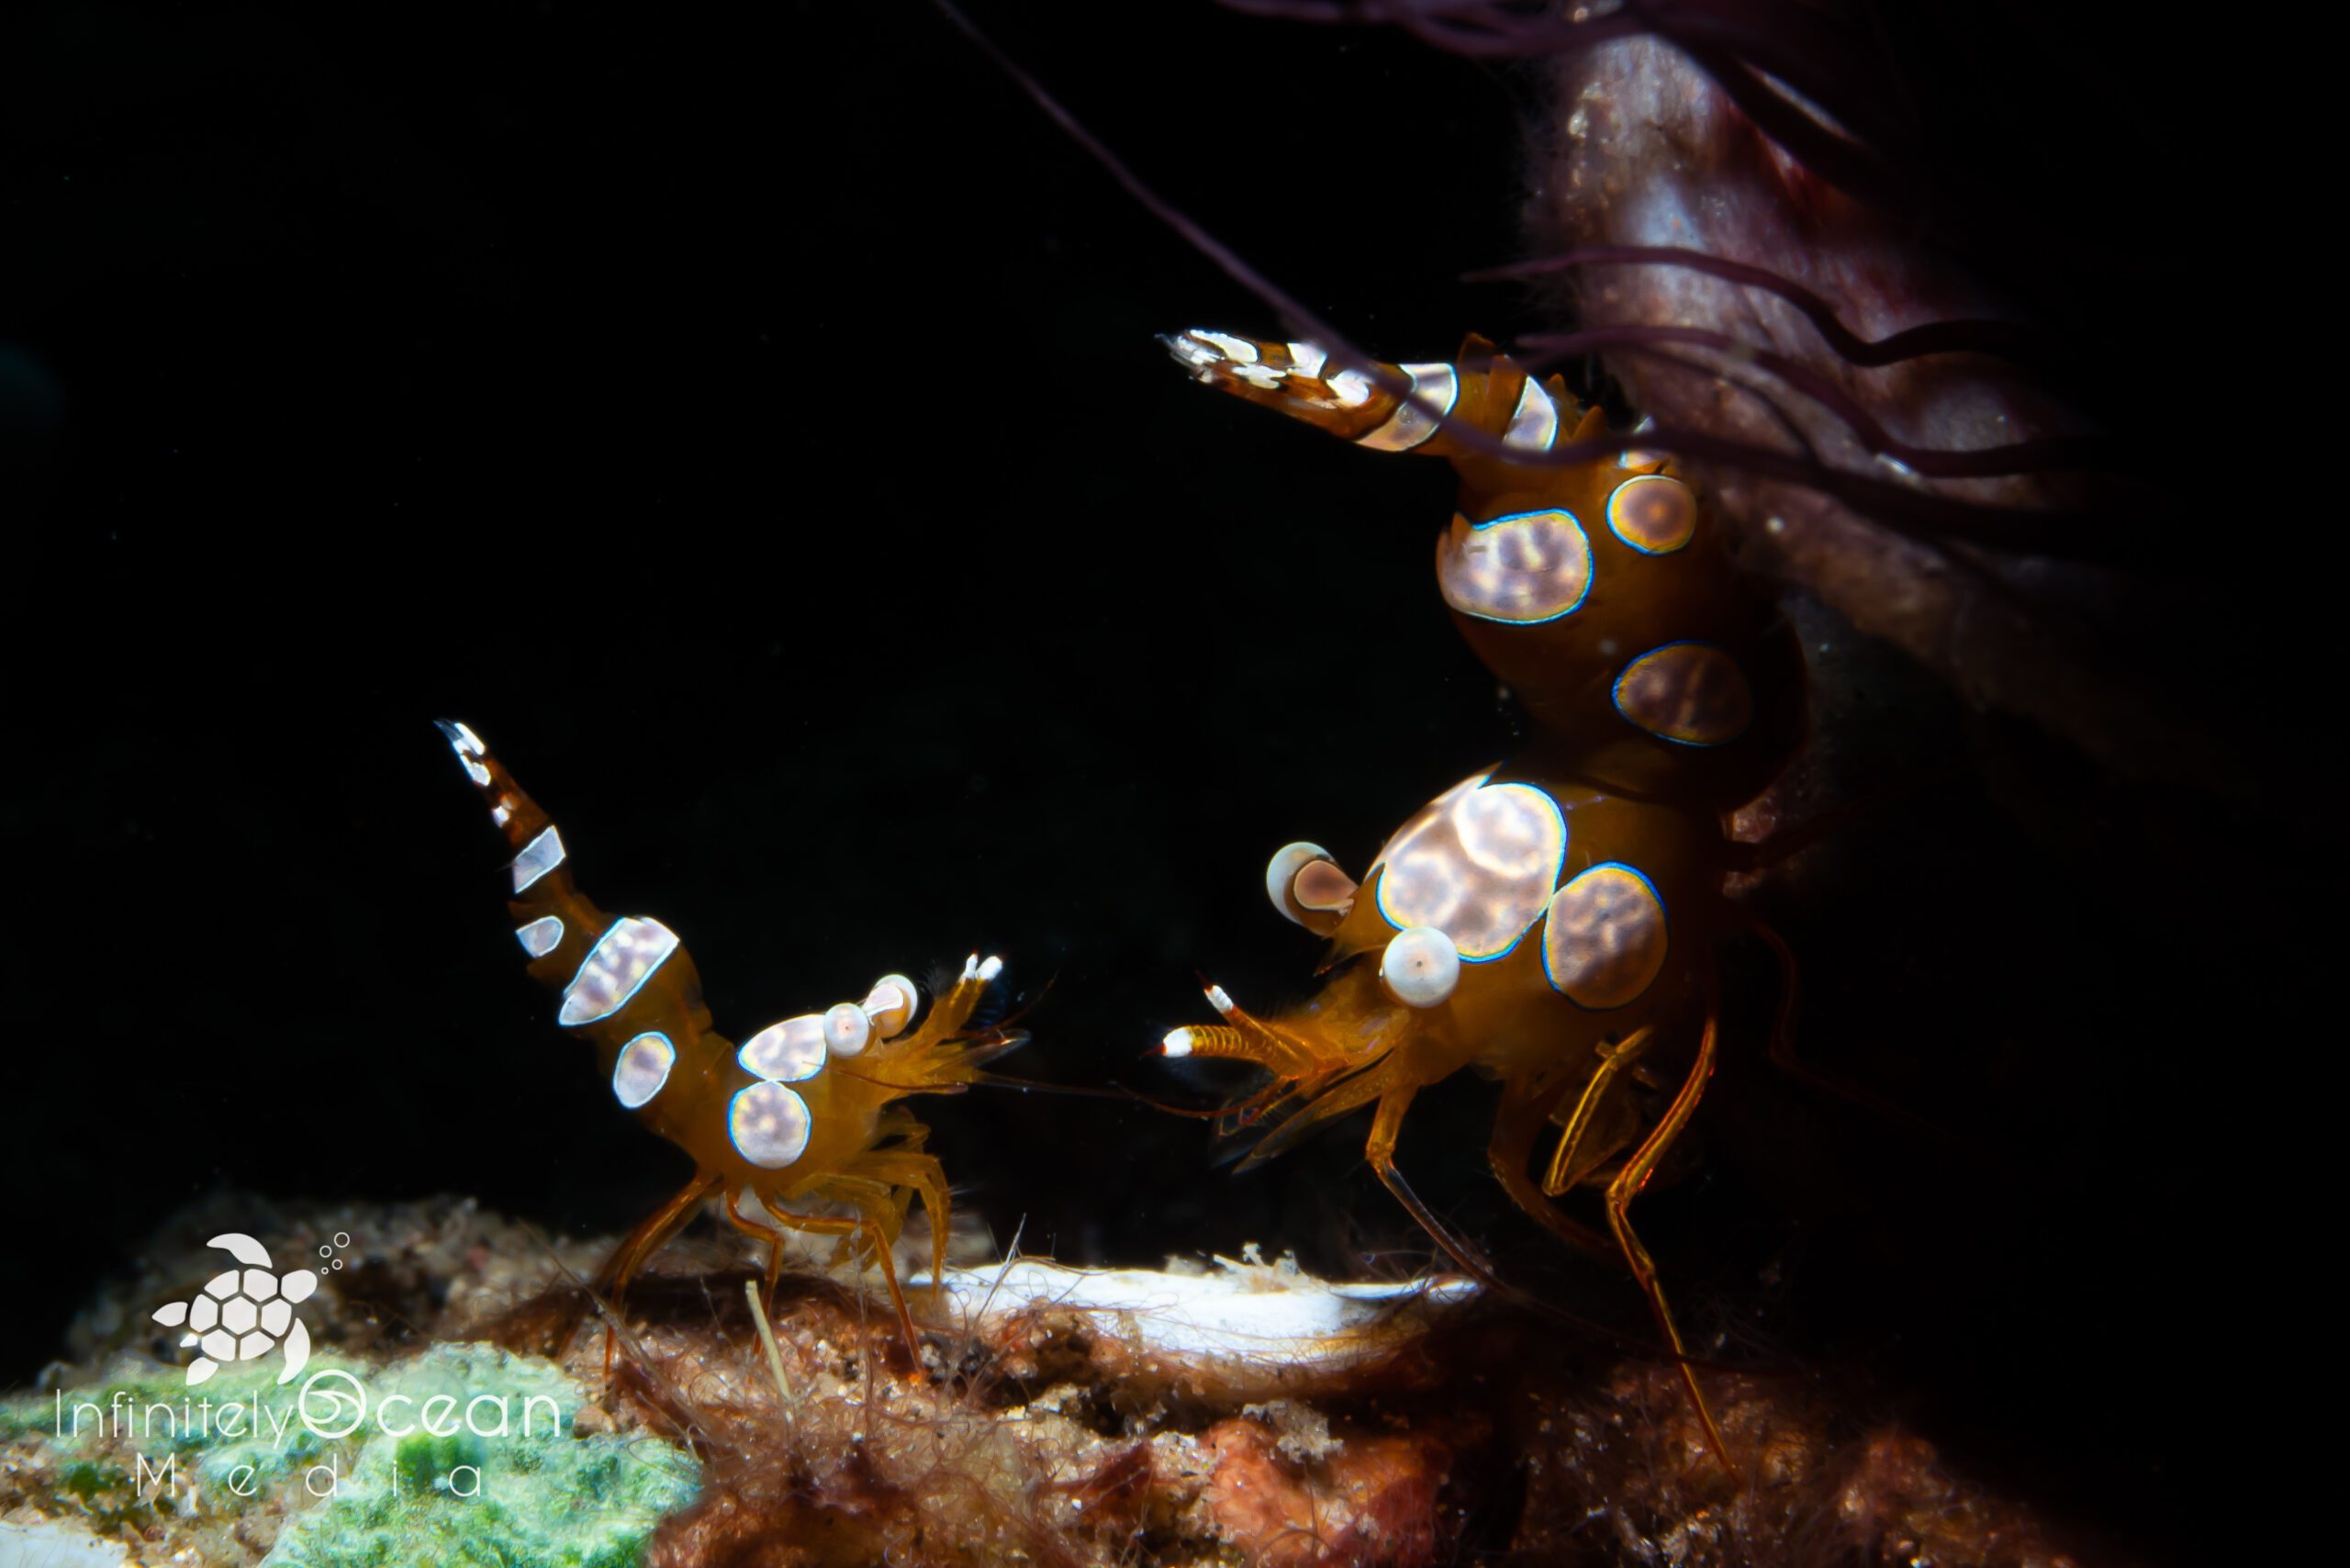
<point>754,431</point>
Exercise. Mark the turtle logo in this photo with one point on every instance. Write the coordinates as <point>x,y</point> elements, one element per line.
<point>241,1314</point>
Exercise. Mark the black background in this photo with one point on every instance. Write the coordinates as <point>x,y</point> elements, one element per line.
<point>752,426</point>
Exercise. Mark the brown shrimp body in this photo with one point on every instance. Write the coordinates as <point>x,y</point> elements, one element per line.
<point>1632,875</point>
<point>802,1110</point>
<point>1550,922</point>
<point>1603,594</point>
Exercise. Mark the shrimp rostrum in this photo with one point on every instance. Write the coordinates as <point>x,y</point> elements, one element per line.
<point>804,1114</point>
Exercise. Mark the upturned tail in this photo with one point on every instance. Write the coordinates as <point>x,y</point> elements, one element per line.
<point>1482,389</point>
<point>601,967</point>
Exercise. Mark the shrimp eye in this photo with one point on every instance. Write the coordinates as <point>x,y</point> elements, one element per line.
<point>1305,884</point>
<point>1420,966</point>
<point>846,1029</point>
<point>891,1006</point>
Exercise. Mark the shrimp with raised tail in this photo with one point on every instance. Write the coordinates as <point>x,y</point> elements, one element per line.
<point>1550,921</point>
<point>806,1109</point>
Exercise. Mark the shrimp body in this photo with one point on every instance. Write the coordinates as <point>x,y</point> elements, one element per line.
<point>1548,921</point>
<point>804,1111</point>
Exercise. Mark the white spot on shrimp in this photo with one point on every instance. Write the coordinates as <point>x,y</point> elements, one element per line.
<point>621,962</point>
<point>1352,386</point>
<point>643,1068</point>
<point>1434,389</point>
<point>539,856</point>
<point>769,1125</point>
<point>541,936</point>
<point>1240,350</point>
<point>1478,862</point>
<point>786,1052</point>
<point>1535,423</point>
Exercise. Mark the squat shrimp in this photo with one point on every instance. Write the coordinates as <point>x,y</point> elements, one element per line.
<point>1550,922</point>
<point>804,1111</point>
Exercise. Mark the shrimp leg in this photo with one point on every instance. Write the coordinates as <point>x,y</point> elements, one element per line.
<point>1627,1185</point>
<point>642,1242</point>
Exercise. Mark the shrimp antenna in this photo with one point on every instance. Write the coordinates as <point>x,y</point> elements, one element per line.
<point>1110,1091</point>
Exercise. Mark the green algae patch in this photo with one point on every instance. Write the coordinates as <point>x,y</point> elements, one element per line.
<point>465,1454</point>
<point>423,1462</point>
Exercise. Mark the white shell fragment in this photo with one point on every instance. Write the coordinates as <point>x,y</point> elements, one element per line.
<point>643,1068</point>
<point>45,1545</point>
<point>1420,966</point>
<point>846,1029</point>
<point>769,1125</point>
<point>622,960</point>
<point>786,1052</point>
<point>1239,1321</point>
